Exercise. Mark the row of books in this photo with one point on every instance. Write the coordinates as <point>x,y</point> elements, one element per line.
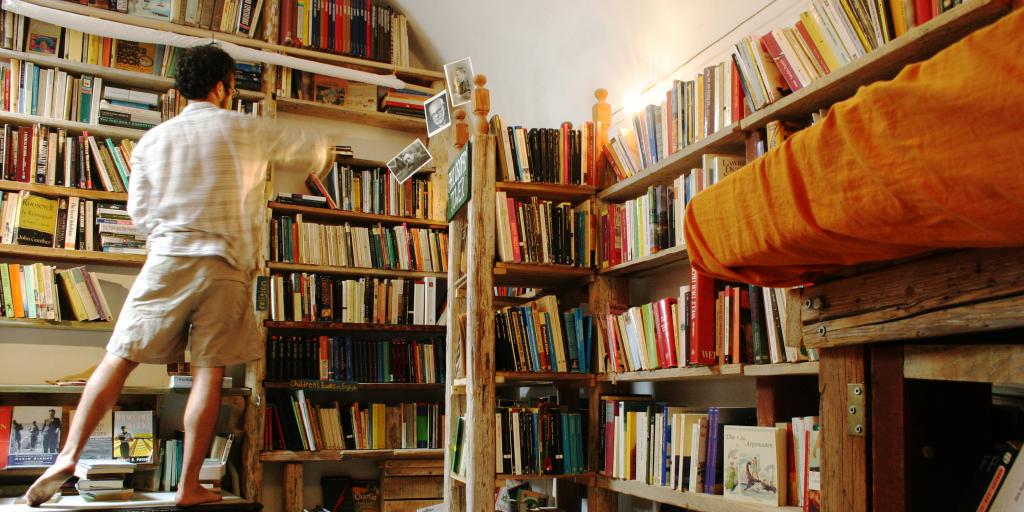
<point>541,231</point>
<point>45,292</point>
<point>232,16</point>
<point>35,433</point>
<point>295,423</point>
<point>303,85</point>
<point>547,155</point>
<point>342,358</point>
<point>369,189</point>
<point>171,456</point>
<point>538,437</point>
<point>393,247</point>
<point>716,450</point>
<point>536,337</point>
<point>310,297</point>
<point>404,102</point>
<point>39,154</point>
<point>368,29</point>
<point>70,223</point>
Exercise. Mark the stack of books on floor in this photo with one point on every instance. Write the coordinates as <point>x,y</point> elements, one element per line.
<point>404,102</point>
<point>104,480</point>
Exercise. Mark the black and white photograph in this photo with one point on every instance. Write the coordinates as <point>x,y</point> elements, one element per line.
<point>438,117</point>
<point>410,160</point>
<point>35,436</point>
<point>459,75</point>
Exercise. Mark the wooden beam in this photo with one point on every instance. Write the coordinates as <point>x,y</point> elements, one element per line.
<point>888,429</point>
<point>292,487</point>
<point>844,458</point>
<point>1002,364</point>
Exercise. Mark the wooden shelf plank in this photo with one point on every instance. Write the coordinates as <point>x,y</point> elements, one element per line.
<point>352,271</point>
<point>769,370</point>
<point>500,479</point>
<point>345,326</point>
<point>550,191</point>
<point>327,214</point>
<point>48,389</point>
<point>50,254</point>
<point>424,75</point>
<point>111,75</point>
<point>728,140</point>
<point>317,385</point>
<point>884,63</point>
<point>999,364</point>
<point>650,263</point>
<point>336,455</point>
<point>663,374</point>
<point>97,130</point>
<point>36,323</point>
<point>50,190</point>
<point>502,301</point>
<point>689,500</point>
<point>535,275</point>
<point>352,115</point>
<point>529,378</point>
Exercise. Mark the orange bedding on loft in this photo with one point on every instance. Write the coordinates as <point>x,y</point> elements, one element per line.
<point>933,158</point>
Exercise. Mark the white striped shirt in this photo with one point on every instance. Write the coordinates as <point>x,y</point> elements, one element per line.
<point>196,187</point>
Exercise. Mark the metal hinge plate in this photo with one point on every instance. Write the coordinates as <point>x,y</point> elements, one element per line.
<point>855,409</point>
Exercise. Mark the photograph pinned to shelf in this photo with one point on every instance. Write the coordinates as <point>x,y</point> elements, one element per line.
<point>438,117</point>
<point>459,75</point>
<point>409,161</point>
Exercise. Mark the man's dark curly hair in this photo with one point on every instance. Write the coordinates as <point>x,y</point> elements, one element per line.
<point>200,68</point>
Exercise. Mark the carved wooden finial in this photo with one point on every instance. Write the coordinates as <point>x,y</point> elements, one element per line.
<point>602,115</point>
<point>461,128</point>
<point>481,103</point>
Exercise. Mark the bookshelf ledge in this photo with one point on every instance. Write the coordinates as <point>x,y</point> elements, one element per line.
<point>353,271</point>
<point>36,323</point>
<point>551,191</point>
<point>770,370</point>
<point>97,130</point>
<point>537,275</point>
<point>726,140</point>
<point>155,501</point>
<point>351,115</point>
<point>344,326</point>
<point>51,190</point>
<point>530,378</point>
<point>691,501</point>
<point>651,262</point>
<point>50,254</point>
<point>327,214</point>
<point>336,455</point>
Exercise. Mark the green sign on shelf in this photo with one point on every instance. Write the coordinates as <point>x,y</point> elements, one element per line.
<point>458,181</point>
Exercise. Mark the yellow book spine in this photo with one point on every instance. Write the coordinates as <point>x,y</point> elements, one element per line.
<point>819,41</point>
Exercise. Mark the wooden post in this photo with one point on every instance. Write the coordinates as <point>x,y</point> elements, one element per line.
<point>784,397</point>
<point>844,457</point>
<point>480,392</point>
<point>440,148</point>
<point>292,487</point>
<point>602,117</point>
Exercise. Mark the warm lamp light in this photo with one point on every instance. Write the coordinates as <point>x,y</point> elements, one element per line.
<point>634,102</point>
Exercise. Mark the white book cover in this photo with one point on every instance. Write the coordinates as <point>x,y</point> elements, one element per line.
<point>755,464</point>
<point>698,462</point>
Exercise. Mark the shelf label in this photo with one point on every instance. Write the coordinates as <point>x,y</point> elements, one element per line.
<point>459,181</point>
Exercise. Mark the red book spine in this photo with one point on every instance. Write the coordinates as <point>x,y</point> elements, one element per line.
<point>367,16</point>
<point>806,36</point>
<point>923,11</point>
<point>737,94</point>
<point>702,319</point>
<point>666,332</point>
<point>621,245</point>
<point>772,47</point>
<point>6,412</point>
<point>324,353</point>
<point>513,222</point>
<point>735,324</point>
<point>566,164</point>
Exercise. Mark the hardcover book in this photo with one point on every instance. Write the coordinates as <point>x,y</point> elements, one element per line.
<point>34,436</point>
<point>755,464</point>
<point>133,436</point>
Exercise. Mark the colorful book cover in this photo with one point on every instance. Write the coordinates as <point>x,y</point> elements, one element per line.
<point>133,436</point>
<point>34,436</point>
<point>5,433</point>
<point>812,499</point>
<point>755,464</point>
<point>37,221</point>
<point>133,56</point>
<point>153,9</point>
<point>99,446</point>
<point>329,90</point>
<point>365,496</point>
<point>43,37</point>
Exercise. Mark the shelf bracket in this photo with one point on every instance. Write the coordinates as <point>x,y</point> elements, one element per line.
<point>855,409</point>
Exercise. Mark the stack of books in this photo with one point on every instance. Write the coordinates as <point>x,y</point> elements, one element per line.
<point>117,231</point>
<point>129,108</point>
<point>249,75</point>
<point>212,472</point>
<point>404,102</point>
<point>104,480</point>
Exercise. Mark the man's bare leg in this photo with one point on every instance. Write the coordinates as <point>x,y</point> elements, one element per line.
<point>200,419</point>
<point>98,397</point>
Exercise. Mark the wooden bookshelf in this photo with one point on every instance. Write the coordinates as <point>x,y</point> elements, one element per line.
<point>352,327</point>
<point>51,190</point>
<point>49,389</point>
<point>884,63</point>
<point>97,130</point>
<point>501,301</point>
<point>778,369</point>
<point>111,75</point>
<point>328,386</point>
<point>352,115</point>
<point>694,501</point>
<point>50,254</point>
<point>405,72</point>
<point>538,276</point>
<point>340,216</point>
<point>998,364</point>
<point>652,262</point>
<point>353,271</point>
<point>31,471</point>
<point>557,192</point>
<point>671,374</point>
<point>500,479</point>
<point>336,455</point>
<point>37,323</point>
<point>728,140</point>
<point>534,378</point>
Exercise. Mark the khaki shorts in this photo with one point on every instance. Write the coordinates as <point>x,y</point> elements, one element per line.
<point>176,300</point>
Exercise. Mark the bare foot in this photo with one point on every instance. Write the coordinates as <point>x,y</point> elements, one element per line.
<point>195,496</point>
<point>49,482</point>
